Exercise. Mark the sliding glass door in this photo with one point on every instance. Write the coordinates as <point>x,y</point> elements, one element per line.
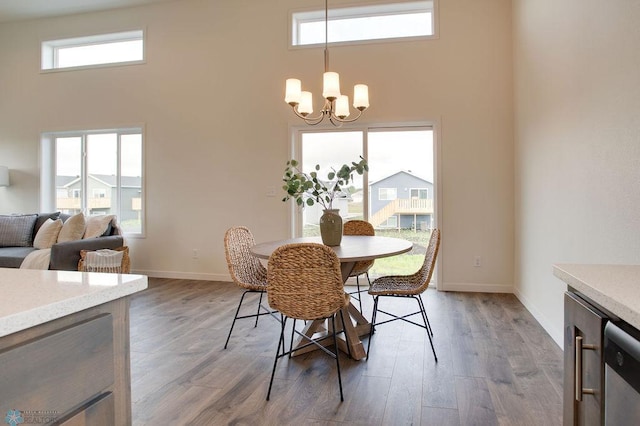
<point>397,195</point>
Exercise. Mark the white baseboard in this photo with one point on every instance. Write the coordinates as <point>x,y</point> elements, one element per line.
<point>183,275</point>
<point>476,287</point>
<point>557,334</point>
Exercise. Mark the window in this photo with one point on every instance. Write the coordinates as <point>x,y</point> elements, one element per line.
<point>116,48</point>
<point>387,194</point>
<point>391,222</point>
<point>95,172</point>
<point>419,193</point>
<point>372,22</point>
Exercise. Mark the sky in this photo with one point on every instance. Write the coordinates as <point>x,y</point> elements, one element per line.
<point>101,155</point>
<point>389,151</point>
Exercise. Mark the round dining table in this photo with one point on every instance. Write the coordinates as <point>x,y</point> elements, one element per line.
<point>352,249</point>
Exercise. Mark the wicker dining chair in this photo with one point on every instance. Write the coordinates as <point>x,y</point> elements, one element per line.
<point>407,286</point>
<point>359,227</point>
<point>305,283</point>
<point>245,269</point>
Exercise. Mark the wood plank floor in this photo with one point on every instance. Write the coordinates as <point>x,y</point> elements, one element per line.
<point>496,365</point>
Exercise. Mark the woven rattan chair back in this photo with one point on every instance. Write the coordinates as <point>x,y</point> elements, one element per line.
<point>359,227</point>
<point>305,281</point>
<point>422,278</point>
<point>245,269</point>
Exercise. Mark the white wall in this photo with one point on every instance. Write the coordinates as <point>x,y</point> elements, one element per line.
<point>217,129</point>
<point>577,155</point>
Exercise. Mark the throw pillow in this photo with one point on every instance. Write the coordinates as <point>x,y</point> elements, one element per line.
<point>17,230</point>
<point>42,218</point>
<point>47,234</point>
<point>97,225</point>
<point>73,228</point>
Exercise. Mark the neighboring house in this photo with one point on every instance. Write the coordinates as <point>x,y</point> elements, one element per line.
<point>401,200</point>
<point>102,192</point>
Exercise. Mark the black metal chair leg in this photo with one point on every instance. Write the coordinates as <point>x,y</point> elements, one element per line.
<point>335,348</point>
<point>234,319</point>
<point>293,332</point>
<point>373,321</point>
<point>359,294</point>
<point>426,326</point>
<point>425,314</point>
<point>259,304</point>
<point>282,318</point>
<point>275,362</point>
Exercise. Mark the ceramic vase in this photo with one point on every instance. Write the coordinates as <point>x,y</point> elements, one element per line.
<point>331,227</point>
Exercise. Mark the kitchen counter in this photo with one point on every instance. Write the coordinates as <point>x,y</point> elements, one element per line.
<point>33,297</point>
<point>614,287</point>
<point>64,346</point>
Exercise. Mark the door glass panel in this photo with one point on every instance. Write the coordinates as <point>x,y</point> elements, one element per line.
<point>331,150</point>
<point>68,172</point>
<point>102,168</point>
<point>401,162</point>
<point>131,184</point>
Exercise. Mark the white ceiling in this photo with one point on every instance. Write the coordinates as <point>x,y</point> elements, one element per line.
<point>16,10</point>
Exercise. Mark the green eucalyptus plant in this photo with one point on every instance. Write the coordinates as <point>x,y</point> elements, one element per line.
<point>308,189</point>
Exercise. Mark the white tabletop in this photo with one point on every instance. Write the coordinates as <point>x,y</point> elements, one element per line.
<point>33,297</point>
<point>352,248</point>
<point>614,287</point>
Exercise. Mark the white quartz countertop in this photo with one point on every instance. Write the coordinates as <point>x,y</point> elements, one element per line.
<point>32,297</point>
<point>614,287</point>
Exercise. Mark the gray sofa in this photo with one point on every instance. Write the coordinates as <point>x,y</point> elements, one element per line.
<point>64,255</point>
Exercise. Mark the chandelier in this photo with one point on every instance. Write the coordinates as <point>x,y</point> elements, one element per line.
<point>336,105</point>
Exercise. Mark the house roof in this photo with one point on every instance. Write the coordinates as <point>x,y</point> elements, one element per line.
<point>108,180</point>
<point>397,173</point>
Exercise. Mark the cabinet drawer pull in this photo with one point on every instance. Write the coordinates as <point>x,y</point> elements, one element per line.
<point>579,391</point>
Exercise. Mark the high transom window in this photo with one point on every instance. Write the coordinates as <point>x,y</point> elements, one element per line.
<point>102,49</point>
<point>362,23</point>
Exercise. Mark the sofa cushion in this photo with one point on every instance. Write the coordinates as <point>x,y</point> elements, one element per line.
<point>98,225</point>
<point>12,257</point>
<point>42,218</point>
<point>17,230</point>
<point>47,234</point>
<point>73,228</point>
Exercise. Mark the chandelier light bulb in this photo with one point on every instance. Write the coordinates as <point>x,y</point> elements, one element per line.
<point>293,91</point>
<point>331,86</point>
<point>306,104</point>
<point>342,106</point>
<point>361,96</point>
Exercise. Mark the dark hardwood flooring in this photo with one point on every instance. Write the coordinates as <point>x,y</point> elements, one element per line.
<point>496,365</point>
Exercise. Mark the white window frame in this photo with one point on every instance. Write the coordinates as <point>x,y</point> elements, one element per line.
<point>300,17</point>
<point>48,190</point>
<point>50,49</point>
<point>99,193</point>
<point>419,189</point>
<point>388,191</point>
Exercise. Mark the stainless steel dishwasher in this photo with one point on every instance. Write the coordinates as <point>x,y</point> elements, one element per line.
<point>622,375</point>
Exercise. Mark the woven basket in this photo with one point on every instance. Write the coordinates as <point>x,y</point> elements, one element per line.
<point>125,267</point>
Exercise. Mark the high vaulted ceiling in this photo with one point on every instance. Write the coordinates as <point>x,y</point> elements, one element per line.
<point>16,10</point>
